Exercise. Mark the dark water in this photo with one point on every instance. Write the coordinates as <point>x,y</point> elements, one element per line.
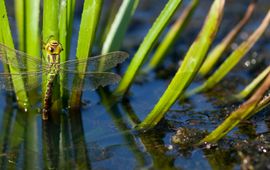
<point>100,135</point>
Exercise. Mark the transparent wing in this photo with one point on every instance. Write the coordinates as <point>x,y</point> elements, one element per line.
<point>31,80</point>
<point>97,63</point>
<point>88,80</point>
<point>18,59</point>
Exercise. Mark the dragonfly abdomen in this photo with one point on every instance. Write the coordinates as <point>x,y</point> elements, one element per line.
<point>47,97</point>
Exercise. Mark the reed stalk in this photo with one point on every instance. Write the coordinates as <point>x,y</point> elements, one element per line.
<point>88,26</point>
<point>170,38</point>
<point>243,112</point>
<point>190,66</point>
<point>146,46</point>
<point>6,38</point>
<point>233,59</point>
<point>253,85</point>
<point>217,52</point>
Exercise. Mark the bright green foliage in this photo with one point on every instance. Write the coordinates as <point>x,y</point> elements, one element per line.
<point>147,45</point>
<point>63,28</point>
<point>189,67</point>
<point>57,24</point>
<point>6,38</point>
<point>233,59</point>
<point>242,113</point>
<point>230,123</point>
<point>217,52</point>
<point>255,83</point>
<point>66,14</point>
<point>70,11</point>
<point>63,38</point>
<point>20,20</point>
<point>32,32</point>
<point>118,29</point>
<point>50,19</point>
<point>32,47</point>
<point>32,37</point>
<point>172,35</point>
<point>89,22</point>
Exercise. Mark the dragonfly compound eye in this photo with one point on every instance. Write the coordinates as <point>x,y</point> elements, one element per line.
<point>50,49</point>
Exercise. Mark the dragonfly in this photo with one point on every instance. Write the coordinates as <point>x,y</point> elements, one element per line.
<point>94,76</point>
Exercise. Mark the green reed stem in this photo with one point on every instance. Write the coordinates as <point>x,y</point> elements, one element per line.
<point>175,31</point>
<point>88,27</point>
<point>32,47</point>
<point>110,11</point>
<point>32,36</point>
<point>63,26</point>
<point>50,19</point>
<point>147,44</point>
<point>119,26</point>
<point>255,83</point>
<point>70,17</point>
<point>6,38</point>
<point>20,20</point>
<point>217,52</point>
<point>189,68</point>
<point>66,14</point>
<point>32,28</point>
<point>233,59</point>
<point>63,38</point>
<point>243,112</point>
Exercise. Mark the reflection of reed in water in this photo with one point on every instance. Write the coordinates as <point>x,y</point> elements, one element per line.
<point>5,132</point>
<point>50,134</point>
<point>18,142</point>
<point>64,144</point>
<point>81,156</point>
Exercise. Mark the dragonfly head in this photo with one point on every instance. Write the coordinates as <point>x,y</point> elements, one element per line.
<point>53,47</point>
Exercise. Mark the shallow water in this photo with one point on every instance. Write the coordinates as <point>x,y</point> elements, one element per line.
<point>100,135</point>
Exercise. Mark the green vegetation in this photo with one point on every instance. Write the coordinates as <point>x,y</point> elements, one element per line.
<point>91,9</point>
<point>6,38</point>
<point>253,85</point>
<point>147,44</point>
<point>233,59</point>
<point>217,52</point>
<point>242,113</point>
<point>57,22</point>
<point>189,67</point>
<point>172,35</point>
<point>118,29</point>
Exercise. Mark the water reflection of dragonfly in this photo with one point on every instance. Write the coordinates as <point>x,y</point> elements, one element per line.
<point>30,68</point>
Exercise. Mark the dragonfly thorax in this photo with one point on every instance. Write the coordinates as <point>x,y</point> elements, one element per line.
<point>53,49</point>
<point>53,59</point>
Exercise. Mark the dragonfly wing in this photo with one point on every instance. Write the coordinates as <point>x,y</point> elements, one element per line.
<point>31,80</point>
<point>97,63</point>
<point>88,80</point>
<point>19,59</point>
